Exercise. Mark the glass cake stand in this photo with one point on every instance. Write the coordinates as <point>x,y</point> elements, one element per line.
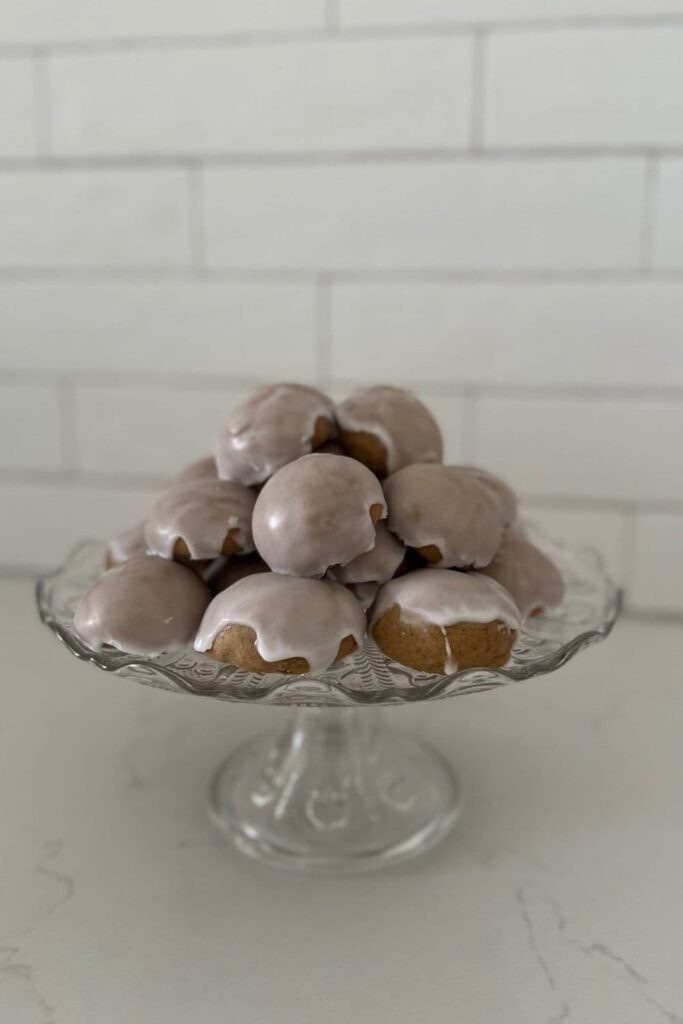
<point>336,790</point>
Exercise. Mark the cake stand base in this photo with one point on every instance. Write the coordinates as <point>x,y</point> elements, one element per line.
<point>335,792</point>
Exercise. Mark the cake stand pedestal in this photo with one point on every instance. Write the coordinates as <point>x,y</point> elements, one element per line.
<point>335,791</point>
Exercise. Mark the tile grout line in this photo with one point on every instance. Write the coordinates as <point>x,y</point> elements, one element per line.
<point>418,155</point>
<point>628,550</point>
<point>649,221</point>
<point>196,220</point>
<point>43,103</point>
<point>332,24</point>
<point>470,423</point>
<point>389,30</point>
<point>323,327</point>
<point>435,388</point>
<point>71,461</point>
<point>479,46</point>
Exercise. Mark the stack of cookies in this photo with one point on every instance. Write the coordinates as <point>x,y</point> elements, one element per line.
<point>314,525</point>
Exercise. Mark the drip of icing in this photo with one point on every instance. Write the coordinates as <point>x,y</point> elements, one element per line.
<point>314,513</point>
<point>445,506</point>
<point>291,617</point>
<point>406,428</point>
<point>201,512</point>
<point>375,566</point>
<point>273,427</point>
<point>450,664</point>
<point>146,606</point>
<point>527,574</point>
<point>125,546</point>
<point>444,597</point>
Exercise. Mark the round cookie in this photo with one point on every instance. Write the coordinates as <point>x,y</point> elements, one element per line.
<point>387,428</point>
<point>226,571</point>
<point>447,514</point>
<point>127,545</point>
<point>275,425</point>
<point>202,469</point>
<point>317,512</point>
<point>273,623</point>
<point>504,493</point>
<point>378,565</point>
<point>200,519</point>
<point>441,620</point>
<point>527,574</point>
<point>146,606</point>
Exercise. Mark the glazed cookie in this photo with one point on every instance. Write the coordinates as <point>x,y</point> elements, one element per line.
<point>202,469</point>
<point>146,606</point>
<point>274,623</point>
<point>226,571</point>
<point>273,427</point>
<point>441,620</point>
<point>201,519</point>
<point>378,565</point>
<point>504,493</point>
<point>527,574</point>
<point>125,546</point>
<point>388,428</point>
<point>446,513</point>
<point>317,512</point>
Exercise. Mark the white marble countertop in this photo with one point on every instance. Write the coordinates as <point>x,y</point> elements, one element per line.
<point>557,898</point>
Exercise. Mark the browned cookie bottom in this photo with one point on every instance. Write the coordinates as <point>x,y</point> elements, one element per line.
<point>322,431</point>
<point>236,645</point>
<point>423,646</point>
<point>366,448</point>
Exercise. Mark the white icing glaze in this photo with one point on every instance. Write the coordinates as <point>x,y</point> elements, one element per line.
<point>447,507</point>
<point>273,427</point>
<point>125,546</point>
<point>201,512</point>
<point>202,469</point>
<point>444,597</point>
<point>406,428</point>
<point>314,513</point>
<point>503,491</point>
<point>291,617</point>
<point>527,574</point>
<point>146,606</point>
<point>375,566</point>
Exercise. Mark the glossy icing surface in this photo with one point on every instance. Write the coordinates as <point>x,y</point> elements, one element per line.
<point>201,512</point>
<point>445,506</point>
<point>127,545</point>
<point>314,513</point>
<point>291,617</point>
<point>406,428</point>
<point>444,597</point>
<point>146,606</point>
<point>375,566</point>
<point>273,427</point>
<point>527,574</point>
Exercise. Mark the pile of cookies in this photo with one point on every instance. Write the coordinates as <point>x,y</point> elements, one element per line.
<point>314,525</point>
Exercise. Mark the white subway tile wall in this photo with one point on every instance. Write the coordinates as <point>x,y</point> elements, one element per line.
<point>480,199</point>
<point>18,127</point>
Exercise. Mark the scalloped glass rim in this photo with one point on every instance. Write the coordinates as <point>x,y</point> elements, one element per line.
<point>587,615</point>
